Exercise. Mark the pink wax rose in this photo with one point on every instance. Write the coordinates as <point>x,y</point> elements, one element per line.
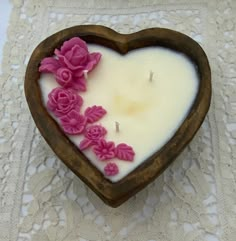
<point>92,135</point>
<point>104,150</point>
<point>74,55</point>
<point>71,63</point>
<point>95,132</point>
<point>61,101</point>
<point>73,123</point>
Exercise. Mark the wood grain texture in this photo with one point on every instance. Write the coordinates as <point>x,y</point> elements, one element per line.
<point>114,194</point>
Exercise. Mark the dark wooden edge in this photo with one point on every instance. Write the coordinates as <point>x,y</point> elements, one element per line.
<point>115,194</point>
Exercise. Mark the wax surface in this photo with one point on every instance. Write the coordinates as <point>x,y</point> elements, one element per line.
<point>148,112</point>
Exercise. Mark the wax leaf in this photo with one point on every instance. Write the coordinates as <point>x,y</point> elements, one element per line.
<point>94,113</point>
<point>84,144</point>
<point>125,152</point>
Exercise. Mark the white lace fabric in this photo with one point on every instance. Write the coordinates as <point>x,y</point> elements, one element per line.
<point>193,200</point>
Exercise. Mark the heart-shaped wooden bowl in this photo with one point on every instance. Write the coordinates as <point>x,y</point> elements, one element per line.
<point>115,194</point>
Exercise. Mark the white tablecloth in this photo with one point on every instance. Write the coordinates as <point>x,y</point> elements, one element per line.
<point>194,199</point>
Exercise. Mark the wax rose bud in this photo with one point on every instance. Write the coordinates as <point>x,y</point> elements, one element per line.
<point>73,123</point>
<point>74,55</point>
<point>61,101</point>
<point>92,135</point>
<point>111,169</point>
<point>64,77</point>
<point>104,150</point>
<point>67,79</point>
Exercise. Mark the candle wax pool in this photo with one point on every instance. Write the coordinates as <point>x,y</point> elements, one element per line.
<point>148,92</point>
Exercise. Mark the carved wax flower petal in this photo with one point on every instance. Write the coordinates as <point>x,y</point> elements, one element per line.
<point>84,144</point>
<point>80,83</point>
<point>67,45</point>
<point>73,123</point>
<point>125,152</point>
<point>94,113</point>
<point>111,169</point>
<point>49,65</point>
<point>94,58</point>
<point>61,101</point>
<point>104,150</point>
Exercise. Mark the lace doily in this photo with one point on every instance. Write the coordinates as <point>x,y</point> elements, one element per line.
<point>193,200</point>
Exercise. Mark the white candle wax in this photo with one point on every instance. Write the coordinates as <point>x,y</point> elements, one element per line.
<point>148,111</point>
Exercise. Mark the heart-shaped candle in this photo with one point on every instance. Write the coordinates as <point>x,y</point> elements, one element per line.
<point>144,101</point>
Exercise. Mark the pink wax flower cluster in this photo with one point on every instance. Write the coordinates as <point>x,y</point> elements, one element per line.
<point>105,150</point>
<point>70,64</point>
<point>66,105</point>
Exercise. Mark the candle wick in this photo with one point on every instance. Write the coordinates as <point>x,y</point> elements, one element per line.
<point>85,74</point>
<point>117,126</point>
<point>151,76</point>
